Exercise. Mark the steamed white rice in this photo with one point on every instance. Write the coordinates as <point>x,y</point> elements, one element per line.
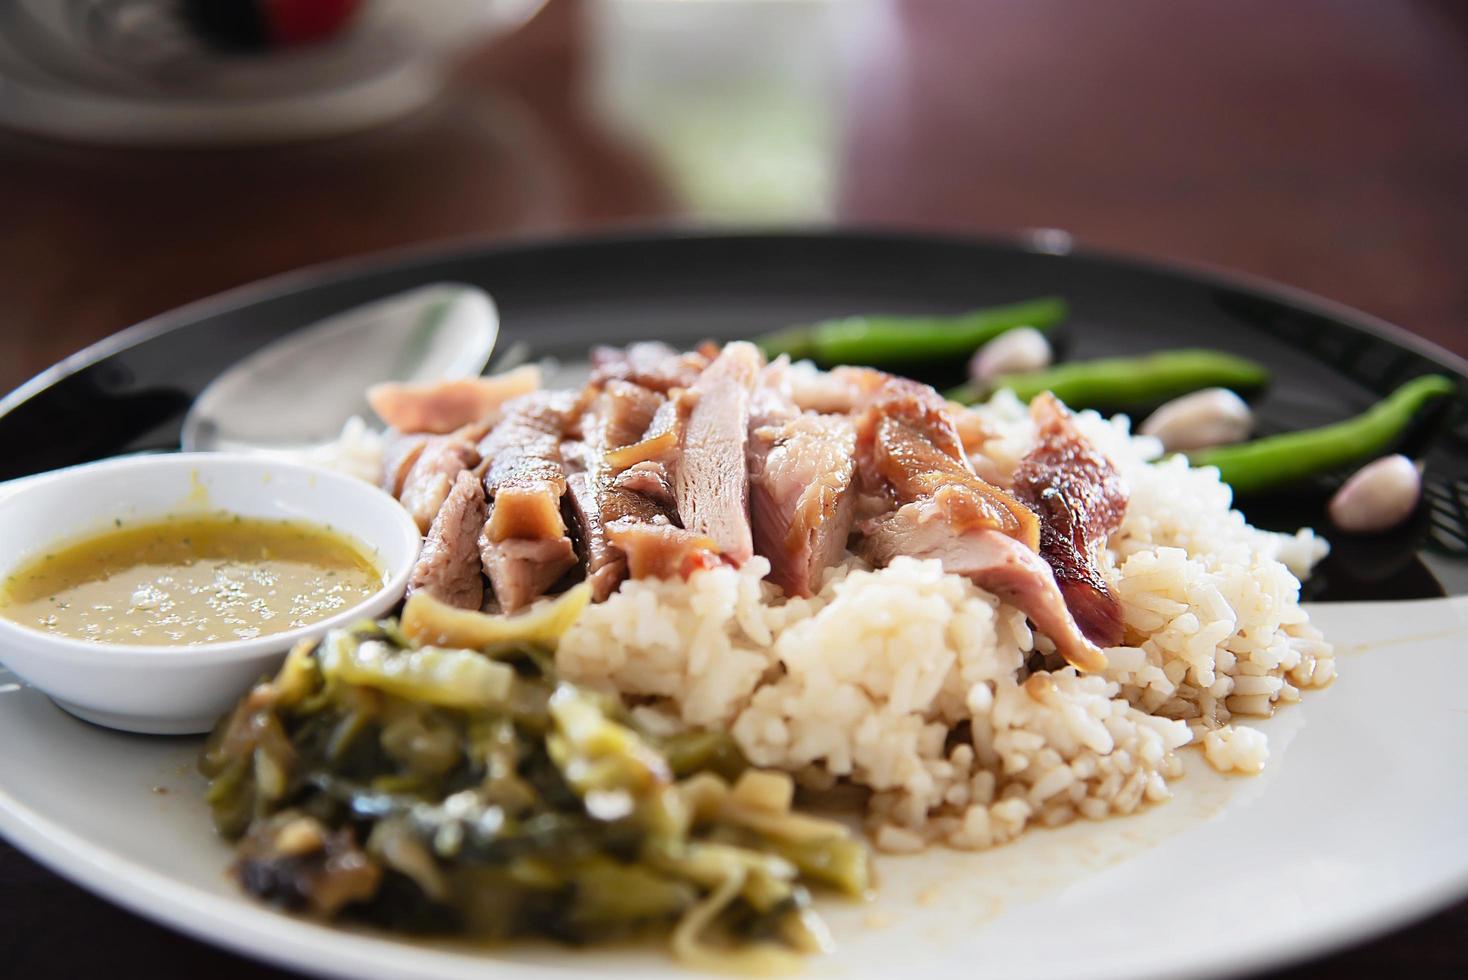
<point>936,696</point>
<point>357,451</point>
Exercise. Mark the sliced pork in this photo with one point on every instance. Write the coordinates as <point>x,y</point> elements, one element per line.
<point>802,492</point>
<point>993,561</point>
<point>440,407</point>
<point>659,443</point>
<point>670,462</point>
<point>524,478</point>
<point>621,414</point>
<point>649,481</point>
<point>398,457</point>
<point>524,546</point>
<point>661,550</point>
<point>917,452</point>
<point>606,566</point>
<point>520,570</point>
<point>1081,500</point>
<point>448,567</point>
<point>430,478</point>
<point>840,390</point>
<point>652,365</point>
<point>912,445</point>
<point>711,483</point>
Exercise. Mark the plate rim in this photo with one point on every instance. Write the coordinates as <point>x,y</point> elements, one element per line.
<point>1037,242</point>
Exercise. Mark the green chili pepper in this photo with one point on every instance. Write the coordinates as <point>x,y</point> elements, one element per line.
<point>877,341</point>
<point>1292,456</point>
<point>1126,382</point>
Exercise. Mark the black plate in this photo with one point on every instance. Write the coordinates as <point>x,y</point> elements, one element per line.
<point>130,392</point>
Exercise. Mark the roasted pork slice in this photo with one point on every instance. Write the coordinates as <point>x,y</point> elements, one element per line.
<point>802,496</point>
<point>659,443</point>
<point>474,432</point>
<point>772,401</point>
<point>398,457</point>
<point>641,495</point>
<point>525,482</point>
<point>440,407</point>
<point>521,569</point>
<point>524,478</point>
<point>617,415</point>
<point>993,561</point>
<point>620,415</point>
<point>532,512</point>
<point>916,444</point>
<point>618,418</point>
<point>606,566</point>
<point>911,444</point>
<point>650,364</point>
<point>660,549</point>
<point>448,567</point>
<point>711,483</point>
<point>643,492</point>
<point>841,390</point>
<point>428,481</point>
<point>1081,500</point>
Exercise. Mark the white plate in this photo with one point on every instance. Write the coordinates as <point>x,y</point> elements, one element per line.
<point>1356,825</point>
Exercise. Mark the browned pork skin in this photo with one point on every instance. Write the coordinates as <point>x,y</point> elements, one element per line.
<point>524,547</point>
<point>659,442</point>
<point>1081,500</point>
<point>439,407</point>
<point>649,481</point>
<point>617,416</point>
<point>994,562</point>
<point>448,568</point>
<point>711,483</point>
<point>801,492</point>
<point>660,550</point>
<point>948,513</point>
<point>430,478</point>
<point>916,449</point>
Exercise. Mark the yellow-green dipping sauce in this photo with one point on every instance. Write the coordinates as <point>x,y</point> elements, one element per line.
<point>192,579</point>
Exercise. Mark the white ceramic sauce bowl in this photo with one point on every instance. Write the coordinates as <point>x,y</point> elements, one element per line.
<point>183,689</point>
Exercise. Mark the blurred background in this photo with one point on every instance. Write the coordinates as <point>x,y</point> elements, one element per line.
<point>153,152</point>
<point>1319,143</point>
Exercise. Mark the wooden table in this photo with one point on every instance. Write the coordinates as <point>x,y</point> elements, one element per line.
<point>1317,143</point>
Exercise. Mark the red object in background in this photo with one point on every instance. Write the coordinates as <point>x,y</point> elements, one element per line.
<point>293,22</point>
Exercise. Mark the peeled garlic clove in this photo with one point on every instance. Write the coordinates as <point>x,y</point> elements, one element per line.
<point>1378,496</point>
<point>1013,351</point>
<point>1211,417</point>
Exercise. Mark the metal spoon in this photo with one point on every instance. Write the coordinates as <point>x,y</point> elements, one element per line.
<point>299,391</point>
